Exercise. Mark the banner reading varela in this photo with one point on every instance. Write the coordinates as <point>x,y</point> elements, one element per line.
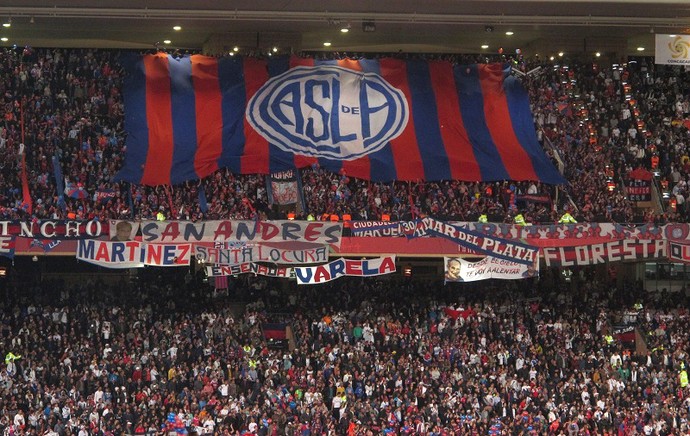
<point>345,267</point>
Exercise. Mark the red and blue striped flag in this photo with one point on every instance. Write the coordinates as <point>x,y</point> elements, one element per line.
<point>220,282</point>
<point>377,119</point>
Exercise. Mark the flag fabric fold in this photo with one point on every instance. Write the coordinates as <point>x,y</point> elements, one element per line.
<point>59,182</point>
<point>27,203</point>
<point>381,120</point>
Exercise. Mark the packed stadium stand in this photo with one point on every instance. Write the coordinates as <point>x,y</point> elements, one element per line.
<point>312,301</point>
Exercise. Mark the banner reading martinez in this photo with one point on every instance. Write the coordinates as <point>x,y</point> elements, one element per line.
<point>345,267</point>
<point>460,270</point>
<point>132,254</point>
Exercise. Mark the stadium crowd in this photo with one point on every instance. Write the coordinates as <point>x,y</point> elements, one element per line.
<point>165,355</point>
<point>599,123</point>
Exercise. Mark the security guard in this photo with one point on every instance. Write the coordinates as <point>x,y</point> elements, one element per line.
<point>683,375</point>
<point>519,220</point>
<point>483,218</point>
<point>609,340</point>
<point>566,218</point>
<point>247,350</point>
<point>11,357</point>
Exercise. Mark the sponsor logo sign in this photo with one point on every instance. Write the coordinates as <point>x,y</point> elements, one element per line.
<point>672,49</point>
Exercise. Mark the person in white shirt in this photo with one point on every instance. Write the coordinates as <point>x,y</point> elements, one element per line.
<point>337,402</point>
<point>252,426</point>
<point>224,389</point>
<point>519,363</point>
<point>98,395</point>
<point>19,421</point>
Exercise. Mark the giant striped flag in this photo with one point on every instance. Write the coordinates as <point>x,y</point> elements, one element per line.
<point>378,119</point>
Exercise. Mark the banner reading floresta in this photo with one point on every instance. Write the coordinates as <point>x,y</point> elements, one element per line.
<point>260,253</point>
<point>460,270</point>
<point>614,251</point>
<point>345,267</point>
<point>133,254</point>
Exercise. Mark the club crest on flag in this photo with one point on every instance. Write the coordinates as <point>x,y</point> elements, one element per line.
<point>329,112</point>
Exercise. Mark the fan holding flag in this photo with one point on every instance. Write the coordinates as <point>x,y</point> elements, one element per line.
<point>78,192</point>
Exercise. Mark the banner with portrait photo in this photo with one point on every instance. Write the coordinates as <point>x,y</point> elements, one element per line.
<point>460,270</point>
<point>121,230</point>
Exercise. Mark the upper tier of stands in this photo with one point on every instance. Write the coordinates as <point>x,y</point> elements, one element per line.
<point>598,122</point>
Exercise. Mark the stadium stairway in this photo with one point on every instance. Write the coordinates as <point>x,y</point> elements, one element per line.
<point>641,347</point>
<point>237,309</point>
